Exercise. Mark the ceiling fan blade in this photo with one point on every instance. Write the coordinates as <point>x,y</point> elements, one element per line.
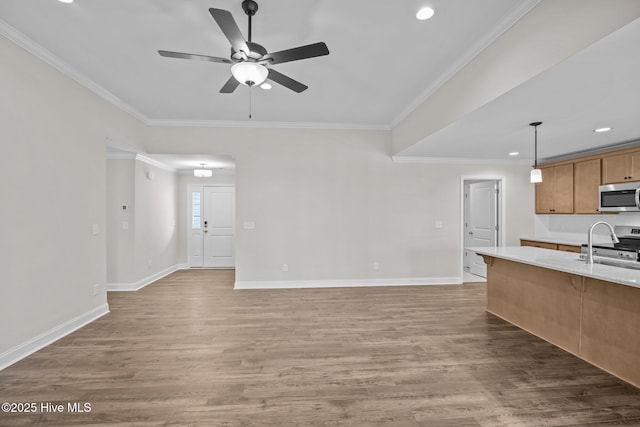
<point>230,29</point>
<point>302,52</point>
<point>286,81</point>
<point>230,85</point>
<point>193,56</point>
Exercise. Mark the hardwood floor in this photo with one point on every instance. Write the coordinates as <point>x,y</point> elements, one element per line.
<point>189,350</point>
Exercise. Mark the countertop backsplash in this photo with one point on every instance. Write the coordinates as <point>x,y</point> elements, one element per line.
<point>575,227</point>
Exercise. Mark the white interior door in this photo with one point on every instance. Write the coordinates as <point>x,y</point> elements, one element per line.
<point>218,226</point>
<point>483,221</point>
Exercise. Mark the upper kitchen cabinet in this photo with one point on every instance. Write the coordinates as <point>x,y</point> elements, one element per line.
<point>586,179</point>
<point>554,195</point>
<point>621,168</point>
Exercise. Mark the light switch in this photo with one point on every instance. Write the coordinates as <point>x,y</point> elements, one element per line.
<point>438,224</point>
<point>96,229</point>
<point>125,225</point>
<point>249,225</point>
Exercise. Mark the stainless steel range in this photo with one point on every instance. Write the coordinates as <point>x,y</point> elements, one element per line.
<point>624,254</point>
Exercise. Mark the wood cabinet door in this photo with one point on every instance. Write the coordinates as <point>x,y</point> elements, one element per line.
<point>634,160</point>
<point>545,190</point>
<point>537,244</point>
<point>586,176</point>
<point>563,189</point>
<point>569,248</point>
<point>615,169</point>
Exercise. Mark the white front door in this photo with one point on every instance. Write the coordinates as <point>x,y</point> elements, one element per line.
<point>483,221</point>
<point>211,228</point>
<point>218,225</point>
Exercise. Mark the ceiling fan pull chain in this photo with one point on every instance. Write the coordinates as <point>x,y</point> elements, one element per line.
<point>250,100</point>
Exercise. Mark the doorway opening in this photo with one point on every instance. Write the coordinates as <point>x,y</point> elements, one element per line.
<point>211,226</point>
<point>482,222</point>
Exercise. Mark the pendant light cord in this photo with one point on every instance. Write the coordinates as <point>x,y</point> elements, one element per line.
<point>250,100</point>
<point>535,143</point>
<point>535,149</point>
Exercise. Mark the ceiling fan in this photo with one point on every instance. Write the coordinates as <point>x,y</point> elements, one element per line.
<point>250,61</point>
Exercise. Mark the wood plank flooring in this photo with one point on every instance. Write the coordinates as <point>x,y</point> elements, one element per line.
<point>190,351</point>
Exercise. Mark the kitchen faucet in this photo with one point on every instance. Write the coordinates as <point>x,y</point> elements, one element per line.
<point>614,238</point>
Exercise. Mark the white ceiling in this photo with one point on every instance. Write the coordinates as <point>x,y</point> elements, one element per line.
<point>597,87</point>
<point>383,63</point>
<point>381,57</point>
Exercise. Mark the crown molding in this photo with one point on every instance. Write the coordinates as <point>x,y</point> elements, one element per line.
<point>45,55</point>
<point>509,20</point>
<point>459,161</point>
<point>111,155</point>
<point>268,125</point>
<point>155,163</point>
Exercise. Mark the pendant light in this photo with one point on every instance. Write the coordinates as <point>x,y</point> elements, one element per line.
<point>202,172</point>
<point>536,174</point>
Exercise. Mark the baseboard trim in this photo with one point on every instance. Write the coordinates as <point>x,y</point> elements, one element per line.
<point>136,286</point>
<point>38,342</point>
<point>302,284</point>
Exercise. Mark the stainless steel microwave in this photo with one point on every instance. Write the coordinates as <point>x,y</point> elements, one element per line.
<point>620,197</point>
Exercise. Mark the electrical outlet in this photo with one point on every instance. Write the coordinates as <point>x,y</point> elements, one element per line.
<point>96,289</point>
<point>95,229</point>
<point>285,267</point>
<point>376,265</point>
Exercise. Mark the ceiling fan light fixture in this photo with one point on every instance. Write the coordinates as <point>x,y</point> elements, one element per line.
<point>202,172</point>
<point>249,73</point>
<point>425,13</point>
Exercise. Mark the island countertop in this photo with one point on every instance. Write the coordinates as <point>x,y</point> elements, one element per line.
<point>562,261</point>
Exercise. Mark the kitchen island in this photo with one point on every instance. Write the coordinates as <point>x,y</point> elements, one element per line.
<point>591,311</point>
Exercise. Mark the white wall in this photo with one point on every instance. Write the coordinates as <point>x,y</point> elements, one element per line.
<point>120,223</point>
<point>156,218</point>
<point>53,191</point>
<point>148,245</point>
<point>329,203</point>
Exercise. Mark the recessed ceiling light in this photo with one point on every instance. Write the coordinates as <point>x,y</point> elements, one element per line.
<point>266,86</point>
<point>604,129</point>
<point>514,153</point>
<point>65,1</point>
<point>425,13</point>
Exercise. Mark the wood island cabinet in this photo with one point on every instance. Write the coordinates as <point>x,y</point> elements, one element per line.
<point>621,168</point>
<point>593,319</point>
<point>555,193</point>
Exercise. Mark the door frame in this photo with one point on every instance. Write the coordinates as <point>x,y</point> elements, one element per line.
<point>502,184</point>
<point>190,188</point>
